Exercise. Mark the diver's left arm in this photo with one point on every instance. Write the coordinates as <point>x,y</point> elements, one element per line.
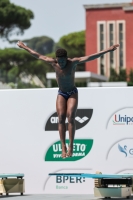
<point>93,56</point>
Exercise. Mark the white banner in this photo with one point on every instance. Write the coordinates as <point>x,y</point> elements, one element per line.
<point>30,140</point>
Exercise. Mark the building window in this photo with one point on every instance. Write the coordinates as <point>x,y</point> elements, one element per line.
<point>108,34</point>
<point>101,46</point>
<point>121,45</point>
<point>111,42</point>
<point>121,41</point>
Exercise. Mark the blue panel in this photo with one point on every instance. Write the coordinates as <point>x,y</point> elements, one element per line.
<point>11,175</point>
<point>95,176</point>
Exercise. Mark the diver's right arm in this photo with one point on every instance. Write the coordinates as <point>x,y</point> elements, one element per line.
<point>34,53</point>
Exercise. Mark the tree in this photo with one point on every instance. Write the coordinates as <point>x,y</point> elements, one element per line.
<point>130,77</point>
<point>15,62</point>
<point>13,19</point>
<point>122,75</point>
<point>74,43</point>
<point>113,75</point>
<point>43,45</point>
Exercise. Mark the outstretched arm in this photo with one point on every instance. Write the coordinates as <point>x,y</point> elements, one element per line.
<point>35,54</point>
<point>94,56</point>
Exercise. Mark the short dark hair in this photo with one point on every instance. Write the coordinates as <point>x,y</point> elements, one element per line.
<point>61,53</point>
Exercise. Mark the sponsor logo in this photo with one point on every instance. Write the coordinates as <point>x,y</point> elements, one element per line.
<point>68,183</point>
<point>121,118</point>
<point>128,152</point>
<point>64,187</point>
<point>69,179</point>
<point>83,116</point>
<point>60,180</point>
<point>121,149</point>
<point>81,148</point>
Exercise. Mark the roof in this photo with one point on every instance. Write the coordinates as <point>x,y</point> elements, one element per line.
<point>80,75</point>
<point>125,6</point>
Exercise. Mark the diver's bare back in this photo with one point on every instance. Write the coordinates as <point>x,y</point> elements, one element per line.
<point>65,77</point>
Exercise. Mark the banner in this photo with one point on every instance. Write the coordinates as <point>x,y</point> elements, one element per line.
<point>30,142</point>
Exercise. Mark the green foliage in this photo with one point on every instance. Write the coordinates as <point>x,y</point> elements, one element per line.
<point>51,55</point>
<point>22,85</point>
<point>12,85</point>
<point>113,75</point>
<point>130,83</point>
<point>56,46</point>
<point>13,19</point>
<point>131,75</point>
<point>43,45</point>
<point>20,61</point>
<point>74,43</point>
<point>122,75</point>
<point>54,83</point>
<point>12,74</point>
<point>13,62</point>
<point>80,84</point>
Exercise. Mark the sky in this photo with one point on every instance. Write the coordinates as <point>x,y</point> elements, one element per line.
<point>55,18</point>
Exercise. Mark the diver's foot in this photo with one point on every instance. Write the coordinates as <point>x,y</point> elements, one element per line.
<point>70,151</point>
<point>64,151</point>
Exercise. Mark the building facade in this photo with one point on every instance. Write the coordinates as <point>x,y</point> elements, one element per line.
<point>108,24</point>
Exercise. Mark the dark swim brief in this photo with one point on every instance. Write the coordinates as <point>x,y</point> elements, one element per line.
<point>66,95</point>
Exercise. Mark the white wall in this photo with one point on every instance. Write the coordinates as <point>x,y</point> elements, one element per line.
<point>107,84</point>
<point>26,147</point>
